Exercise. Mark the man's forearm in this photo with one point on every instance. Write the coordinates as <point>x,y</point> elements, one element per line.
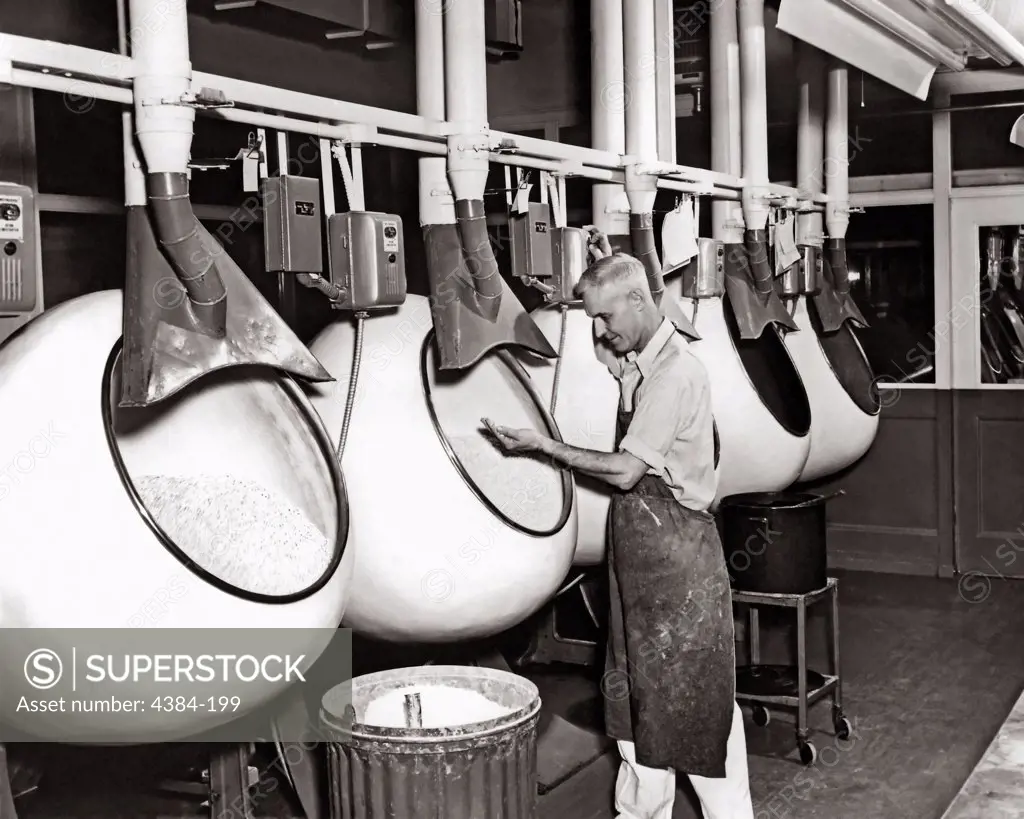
<point>606,466</point>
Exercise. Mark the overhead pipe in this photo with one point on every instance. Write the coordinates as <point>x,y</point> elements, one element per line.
<point>755,141</point>
<point>837,309</point>
<point>640,60</point>
<point>750,280</point>
<point>465,57</point>
<point>810,158</point>
<point>726,128</point>
<point>164,126</point>
<point>472,309</point>
<point>609,99</point>
<point>189,309</point>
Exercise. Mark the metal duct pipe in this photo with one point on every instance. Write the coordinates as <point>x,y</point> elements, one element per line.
<point>608,103</point>
<point>755,141</point>
<point>465,56</point>
<point>837,174</point>
<point>640,59</point>
<point>726,116</point>
<point>163,123</point>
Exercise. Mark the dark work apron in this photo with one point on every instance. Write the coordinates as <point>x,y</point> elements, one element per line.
<point>669,684</point>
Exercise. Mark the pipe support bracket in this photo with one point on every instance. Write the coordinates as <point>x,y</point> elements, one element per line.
<point>641,189</point>
<point>468,164</point>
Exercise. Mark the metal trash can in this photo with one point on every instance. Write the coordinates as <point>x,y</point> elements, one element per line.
<point>441,769</point>
<point>775,542</point>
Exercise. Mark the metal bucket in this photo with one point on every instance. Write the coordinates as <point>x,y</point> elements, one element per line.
<point>468,771</point>
<point>775,542</point>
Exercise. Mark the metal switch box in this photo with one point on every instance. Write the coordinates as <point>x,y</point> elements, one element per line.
<point>291,224</point>
<point>367,259</point>
<point>18,250</point>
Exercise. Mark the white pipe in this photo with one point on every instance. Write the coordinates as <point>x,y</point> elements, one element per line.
<point>134,176</point>
<point>640,63</point>
<point>755,113</point>
<point>726,120</point>
<point>810,148</point>
<point>640,71</point>
<point>465,57</point>
<point>436,204</point>
<point>837,161</point>
<point>163,77</point>
<point>608,102</point>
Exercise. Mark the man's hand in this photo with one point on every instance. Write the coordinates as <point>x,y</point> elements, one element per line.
<point>597,244</point>
<point>515,440</point>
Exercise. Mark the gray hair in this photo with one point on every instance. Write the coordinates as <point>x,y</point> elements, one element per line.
<point>615,269</point>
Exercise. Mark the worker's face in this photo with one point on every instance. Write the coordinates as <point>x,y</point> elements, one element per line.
<point>617,312</point>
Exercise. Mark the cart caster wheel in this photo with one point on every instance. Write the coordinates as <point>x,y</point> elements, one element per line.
<point>761,716</point>
<point>843,728</point>
<point>808,753</point>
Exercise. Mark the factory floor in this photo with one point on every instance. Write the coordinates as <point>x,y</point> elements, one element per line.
<point>928,679</point>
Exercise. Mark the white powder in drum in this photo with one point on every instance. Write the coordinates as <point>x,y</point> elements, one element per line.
<point>238,531</point>
<point>441,706</point>
<point>523,488</point>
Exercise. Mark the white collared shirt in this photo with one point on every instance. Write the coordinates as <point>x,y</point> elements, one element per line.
<point>672,428</point>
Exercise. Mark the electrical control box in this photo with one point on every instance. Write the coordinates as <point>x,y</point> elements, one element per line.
<point>292,240</point>
<point>367,260</point>
<point>531,242</point>
<point>18,250</point>
<point>569,254</point>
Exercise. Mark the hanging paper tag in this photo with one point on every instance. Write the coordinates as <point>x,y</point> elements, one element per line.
<point>251,172</point>
<point>786,253</point>
<point>678,236</point>
<point>522,203</point>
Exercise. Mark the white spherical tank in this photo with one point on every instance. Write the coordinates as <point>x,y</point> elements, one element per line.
<point>585,411</point>
<point>455,540</point>
<point>764,443</point>
<point>841,390</point>
<point>221,507</point>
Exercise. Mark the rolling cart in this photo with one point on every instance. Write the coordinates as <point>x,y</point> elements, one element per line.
<point>786,686</point>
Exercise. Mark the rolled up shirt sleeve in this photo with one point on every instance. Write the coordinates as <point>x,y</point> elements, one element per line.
<point>664,403</point>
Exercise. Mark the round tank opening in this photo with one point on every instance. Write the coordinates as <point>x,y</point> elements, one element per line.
<point>848,361</point>
<point>236,477</point>
<point>773,375</point>
<point>526,491</point>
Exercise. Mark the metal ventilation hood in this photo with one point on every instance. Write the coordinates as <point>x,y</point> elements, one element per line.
<point>903,42</point>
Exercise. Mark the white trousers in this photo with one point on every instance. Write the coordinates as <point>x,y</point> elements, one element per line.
<point>649,793</point>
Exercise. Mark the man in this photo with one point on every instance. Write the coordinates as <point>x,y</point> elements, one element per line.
<point>669,683</point>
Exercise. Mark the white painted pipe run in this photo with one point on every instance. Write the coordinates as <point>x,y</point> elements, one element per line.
<point>755,113</point>
<point>837,161</point>
<point>465,57</point>
<point>436,208</point>
<point>163,77</point>
<point>608,104</point>
<point>640,60</point>
<point>810,157</point>
<point>134,176</point>
<point>726,124</point>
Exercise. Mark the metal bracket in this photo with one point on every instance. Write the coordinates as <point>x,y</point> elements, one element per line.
<point>253,151</point>
<point>354,133</point>
<point>207,99</point>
